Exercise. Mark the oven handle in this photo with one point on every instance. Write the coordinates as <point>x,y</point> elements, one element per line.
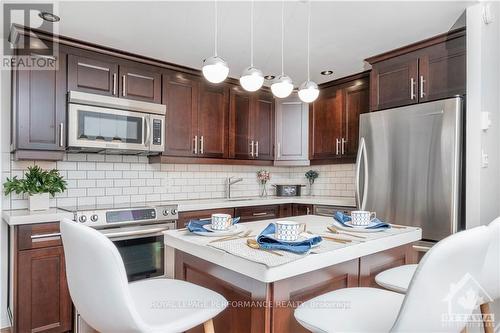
<point>135,232</point>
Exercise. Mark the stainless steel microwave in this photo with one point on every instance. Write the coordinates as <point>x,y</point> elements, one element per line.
<point>99,123</point>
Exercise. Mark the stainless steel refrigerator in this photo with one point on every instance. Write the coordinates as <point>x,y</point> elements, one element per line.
<point>408,168</point>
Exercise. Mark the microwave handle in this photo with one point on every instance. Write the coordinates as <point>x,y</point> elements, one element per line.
<point>148,131</point>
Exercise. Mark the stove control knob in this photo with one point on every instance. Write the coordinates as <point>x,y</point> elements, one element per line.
<point>174,211</point>
<point>94,218</point>
<point>82,219</point>
<point>166,212</point>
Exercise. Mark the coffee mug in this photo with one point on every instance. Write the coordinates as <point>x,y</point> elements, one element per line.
<point>288,230</point>
<point>221,221</point>
<point>362,217</point>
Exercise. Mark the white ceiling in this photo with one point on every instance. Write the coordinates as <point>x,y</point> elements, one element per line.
<point>342,33</point>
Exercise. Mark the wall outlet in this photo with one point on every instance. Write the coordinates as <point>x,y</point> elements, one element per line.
<point>484,159</point>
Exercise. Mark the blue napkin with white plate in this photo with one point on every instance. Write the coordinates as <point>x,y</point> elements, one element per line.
<point>374,224</point>
<point>269,243</point>
<point>197,225</point>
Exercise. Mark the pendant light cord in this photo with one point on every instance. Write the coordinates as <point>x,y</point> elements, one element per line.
<point>308,39</point>
<point>215,30</point>
<point>251,35</point>
<point>282,35</point>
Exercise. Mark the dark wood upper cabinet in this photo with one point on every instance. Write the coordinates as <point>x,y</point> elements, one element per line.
<point>356,102</point>
<point>425,71</point>
<point>39,109</point>
<point>92,75</point>
<point>263,126</point>
<point>240,124</point>
<point>140,84</point>
<point>180,94</point>
<point>213,114</point>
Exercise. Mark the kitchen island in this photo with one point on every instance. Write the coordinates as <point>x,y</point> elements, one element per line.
<point>263,288</point>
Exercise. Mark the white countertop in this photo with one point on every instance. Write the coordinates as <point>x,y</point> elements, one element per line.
<point>24,216</point>
<point>375,242</point>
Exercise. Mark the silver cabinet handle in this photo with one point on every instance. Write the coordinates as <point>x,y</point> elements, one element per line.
<point>257,149</point>
<point>53,236</point>
<point>124,90</point>
<point>343,146</point>
<point>201,145</point>
<point>422,91</point>
<point>251,148</point>
<point>337,142</point>
<point>259,214</point>
<point>195,144</point>
<point>279,150</point>
<point>114,84</point>
<point>61,135</point>
<point>412,88</point>
<point>308,211</point>
<point>421,248</point>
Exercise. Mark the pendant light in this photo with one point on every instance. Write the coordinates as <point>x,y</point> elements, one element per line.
<point>215,69</point>
<point>308,91</point>
<point>252,78</point>
<point>283,85</point>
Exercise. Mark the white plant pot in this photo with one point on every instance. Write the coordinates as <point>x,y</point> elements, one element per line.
<point>38,201</point>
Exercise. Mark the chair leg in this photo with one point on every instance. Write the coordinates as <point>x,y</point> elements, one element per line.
<point>487,318</point>
<point>208,326</point>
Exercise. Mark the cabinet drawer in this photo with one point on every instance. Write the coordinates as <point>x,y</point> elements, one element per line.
<point>35,236</point>
<point>257,213</point>
<point>185,217</point>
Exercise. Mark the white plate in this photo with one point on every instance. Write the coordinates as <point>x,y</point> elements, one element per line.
<point>234,229</point>
<point>358,228</point>
<point>302,237</point>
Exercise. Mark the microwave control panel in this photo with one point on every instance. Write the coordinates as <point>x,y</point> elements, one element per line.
<point>157,129</point>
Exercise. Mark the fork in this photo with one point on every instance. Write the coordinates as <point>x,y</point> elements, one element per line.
<point>335,231</point>
<point>227,238</point>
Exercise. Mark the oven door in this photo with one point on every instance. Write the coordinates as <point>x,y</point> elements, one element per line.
<point>142,249</point>
<point>96,128</point>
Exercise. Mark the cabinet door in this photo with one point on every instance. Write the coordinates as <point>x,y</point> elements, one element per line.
<point>394,83</point>
<point>213,111</point>
<point>292,123</point>
<point>92,75</point>
<point>185,217</point>
<point>140,84</point>
<point>302,209</point>
<point>257,213</point>
<point>43,300</point>
<point>180,95</point>
<point>39,107</point>
<point>356,102</point>
<point>442,70</point>
<point>263,126</point>
<point>239,125</point>
<point>325,125</point>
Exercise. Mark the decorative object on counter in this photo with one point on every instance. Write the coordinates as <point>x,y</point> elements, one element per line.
<point>38,184</point>
<point>311,176</point>
<point>289,230</point>
<point>263,176</point>
<point>267,241</point>
<point>284,190</point>
<point>344,222</point>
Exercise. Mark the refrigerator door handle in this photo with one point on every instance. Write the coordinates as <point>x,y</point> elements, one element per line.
<point>360,201</point>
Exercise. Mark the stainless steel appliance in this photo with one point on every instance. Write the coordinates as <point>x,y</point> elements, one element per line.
<point>324,210</point>
<point>137,232</point>
<point>106,124</point>
<point>408,168</point>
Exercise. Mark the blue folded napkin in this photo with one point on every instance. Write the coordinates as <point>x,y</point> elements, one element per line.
<point>374,224</point>
<point>269,243</point>
<point>197,225</point>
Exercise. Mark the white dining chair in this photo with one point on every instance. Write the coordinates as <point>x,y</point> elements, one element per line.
<point>424,307</point>
<point>398,278</point>
<point>105,299</point>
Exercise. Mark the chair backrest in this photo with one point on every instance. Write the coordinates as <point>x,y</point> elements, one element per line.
<point>97,280</point>
<point>442,292</point>
<point>490,277</point>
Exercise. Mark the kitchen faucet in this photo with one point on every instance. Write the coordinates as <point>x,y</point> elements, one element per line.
<point>230,181</point>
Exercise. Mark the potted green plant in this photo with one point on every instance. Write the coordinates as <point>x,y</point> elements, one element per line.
<point>38,184</point>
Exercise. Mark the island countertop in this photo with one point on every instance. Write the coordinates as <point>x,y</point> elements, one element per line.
<point>199,246</point>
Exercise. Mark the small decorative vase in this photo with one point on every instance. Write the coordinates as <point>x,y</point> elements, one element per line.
<point>311,188</point>
<point>263,190</point>
<point>39,201</point>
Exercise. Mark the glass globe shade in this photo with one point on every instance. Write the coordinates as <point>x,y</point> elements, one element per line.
<point>282,87</point>
<point>308,92</point>
<point>252,79</point>
<point>215,69</point>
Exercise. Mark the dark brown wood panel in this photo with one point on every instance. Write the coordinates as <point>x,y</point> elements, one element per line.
<point>301,209</point>
<point>42,303</point>
<point>185,217</point>
<point>180,94</point>
<point>286,210</point>
<point>140,84</point>
<point>33,236</point>
<point>240,124</point>
<point>213,116</point>
<point>39,108</point>
<point>257,213</point>
<point>394,82</point>
<point>263,127</point>
<point>94,75</point>
<point>371,265</point>
<point>356,102</point>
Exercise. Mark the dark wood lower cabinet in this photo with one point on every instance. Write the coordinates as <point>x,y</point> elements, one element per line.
<point>185,217</point>
<point>256,307</point>
<point>257,213</point>
<point>301,209</point>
